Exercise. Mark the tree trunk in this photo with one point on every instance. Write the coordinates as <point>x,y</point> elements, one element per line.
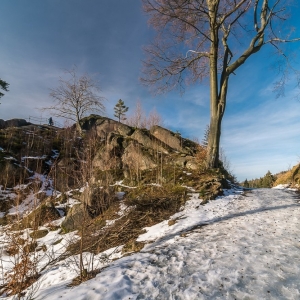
<point>217,93</point>
<point>78,126</point>
<point>214,142</point>
<point>215,119</point>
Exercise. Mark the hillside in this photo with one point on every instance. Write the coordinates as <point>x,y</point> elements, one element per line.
<point>290,177</point>
<point>58,187</point>
<point>237,247</point>
<point>126,213</point>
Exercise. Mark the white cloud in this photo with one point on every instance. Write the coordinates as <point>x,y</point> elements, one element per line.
<point>264,138</point>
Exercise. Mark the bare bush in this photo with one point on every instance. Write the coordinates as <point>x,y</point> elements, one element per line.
<point>140,119</point>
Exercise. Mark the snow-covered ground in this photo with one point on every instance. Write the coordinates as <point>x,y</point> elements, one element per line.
<point>236,247</point>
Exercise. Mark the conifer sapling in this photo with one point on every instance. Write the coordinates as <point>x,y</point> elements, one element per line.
<point>120,110</point>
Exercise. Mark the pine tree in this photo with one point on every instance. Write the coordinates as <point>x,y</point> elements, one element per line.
<point>3,86</point>
<point>120,110</point>
<point>205,137</point>
<point>268,180</point>
<point>246,184</point>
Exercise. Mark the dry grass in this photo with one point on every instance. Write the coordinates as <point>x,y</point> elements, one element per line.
<point>148,206</point>
<point>200,157</point>
<point>79,279</point>
<point>289,177</point>
<point>126,230</point>
<point>24,272</point>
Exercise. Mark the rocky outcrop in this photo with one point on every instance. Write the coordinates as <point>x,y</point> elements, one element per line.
<point>105,126</point>
<point>136,157</point>
<point>148,140</point>
<point>186,161</point>
<point>13,123</point>
<point>109,156</point>
<point>124,147</point>
<point>168,137</point>
<point>173,140</point>
<point>211,188</point>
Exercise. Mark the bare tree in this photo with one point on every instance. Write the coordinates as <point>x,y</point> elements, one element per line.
<point>154,118</point>
<point>76,97</point>
<point>138,118</point>
<point>200,39</point>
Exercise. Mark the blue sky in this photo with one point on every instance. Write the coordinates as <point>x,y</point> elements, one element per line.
<point>40,39</point>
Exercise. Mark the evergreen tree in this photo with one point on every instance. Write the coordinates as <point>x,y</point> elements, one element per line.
<point>205,137</point>
<point>268,180</point>
<point>246,183</point>
<point>3,86</point>
<point>263,182</point>
<point>120,110</point>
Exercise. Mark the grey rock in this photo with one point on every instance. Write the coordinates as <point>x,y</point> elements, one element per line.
<point>136,157</point>
<point>76,217</point>
<point>191,163</point>
<point>168,137</point>
<point>13,123</point>
<point>106,126</point>
<point>149,141</point>
<point>180,161</point>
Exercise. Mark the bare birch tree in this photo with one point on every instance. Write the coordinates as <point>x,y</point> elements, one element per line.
<point>138,118</point>
<point>154,118</point>
<point>198,39</point>
<point>76,97</point>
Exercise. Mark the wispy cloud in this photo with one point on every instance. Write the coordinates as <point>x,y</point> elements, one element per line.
<point>263,138</point>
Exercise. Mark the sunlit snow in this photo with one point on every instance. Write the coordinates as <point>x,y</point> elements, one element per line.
<point>240,246</point>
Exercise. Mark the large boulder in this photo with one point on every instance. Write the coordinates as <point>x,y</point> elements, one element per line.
<point>77,217</point>
<point>188,162</point>
<point>191,163</point>
<point>168,137</point>
<point>109,155</point>
<point>136,157</point>
<point>14,123</point>
<point>150,141</point>
<point>89,122</point>
<point>290,177</point>
<point>106,126</point>
<point>98,199</point>
<point>180,162</point>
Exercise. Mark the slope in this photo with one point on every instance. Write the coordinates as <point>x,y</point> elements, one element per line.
<point>240,246</point>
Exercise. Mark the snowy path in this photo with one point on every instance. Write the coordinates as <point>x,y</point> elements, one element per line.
<point>250,249</point>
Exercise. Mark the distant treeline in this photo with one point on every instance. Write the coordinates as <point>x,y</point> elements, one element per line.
<point>263,182</point>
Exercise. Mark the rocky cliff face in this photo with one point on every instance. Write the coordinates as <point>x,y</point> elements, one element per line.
<point>124,147</point>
